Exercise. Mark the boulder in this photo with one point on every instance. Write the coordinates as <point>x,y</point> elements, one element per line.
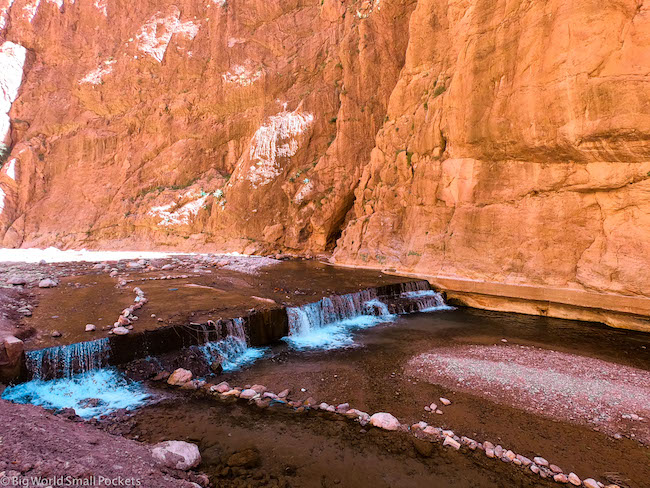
<point>48,283</point>
<point>17,280</point>
<point>384,421</point>
<point>14,348</point>
<point>177,455</point>
<point>179,377</point>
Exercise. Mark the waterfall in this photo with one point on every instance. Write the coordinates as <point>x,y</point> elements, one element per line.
<point>328,323</point>
<point>426,300</point>
<point>233,349</point>
<point>65,361</point>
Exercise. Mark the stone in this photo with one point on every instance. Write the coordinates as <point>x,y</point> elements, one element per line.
<point>534,468</point>
<point>283,394</point>
<point>56,333</point>
<point>232,393</point>
<point>424,448</point>
<point>14,349</point>
<point>247,458</point>
<point>434,431</point>
<point>524,460</point>
<point>120,331</point>
<point>590,483</point>
<point>555,468</point>
<point>444,401</point>
<point>574,479</point>
<point>259,388</point>
<point>433,407</point>
<point>540,461</point>
<point>179,377</point>
<point>489,452</point>
<point>248,393</point>
<point>177,455</point>
<point>498,451</point>
<point>343,407</point>
<point>161,376</point>
<point>427,408</point>
<point>48,283</point>
<point>488,445</point>
<point>451,443</point>
<point>222,387</point>
<point>560,478</point>
<point>509,455</point>
<point>17,280</point>
<point>90,328</point>
<point>384,421</point>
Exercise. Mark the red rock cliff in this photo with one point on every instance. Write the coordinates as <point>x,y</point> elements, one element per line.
<point>499,141</point>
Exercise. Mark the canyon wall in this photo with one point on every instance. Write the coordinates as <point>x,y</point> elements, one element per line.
<point>473,141</point>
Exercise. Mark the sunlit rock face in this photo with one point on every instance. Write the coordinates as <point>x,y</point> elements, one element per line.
<point>486,140</point>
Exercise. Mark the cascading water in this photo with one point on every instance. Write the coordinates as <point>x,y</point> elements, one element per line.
<point>65,361</point>
<point>233,350</point>
<point>427,300</point>
<point>330,322</point>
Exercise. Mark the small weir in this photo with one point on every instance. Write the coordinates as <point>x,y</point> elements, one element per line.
<point>234,349</point>
<point>330,322</point>
<point>65,361</point>
<point>327,324</point>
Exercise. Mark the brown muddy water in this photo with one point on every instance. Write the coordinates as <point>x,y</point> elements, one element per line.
<point>308,450</point>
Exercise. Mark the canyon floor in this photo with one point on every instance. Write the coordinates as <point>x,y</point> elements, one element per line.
<point>574,393</point>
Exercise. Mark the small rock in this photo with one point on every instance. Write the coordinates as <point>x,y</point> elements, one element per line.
<point>56,333</point>
<point>48,283</point>
<point>574,480</point>
<point>90,327</point>
<point>384,421</point>
<point>248,394</point>
<point>433,407</point>
<point>439,412</point>
<point>444,401</point>
<point>177,454</point>
<point>534,468</point>
<point>120,331</point>
<point>510,456</point>
<point>283,394</point>
<point>222,387</point>
<point>259,388</point>
<point>590,483</point>
<point>555,469</point>
<point>343,407</point>
<point>488,445</point>
<point>424,448</point>
<point>179,377</point>
<point>540,461</point>
<point>561,478</point>
<point>489,452</point>
<point>162,376</point>
<point>498,451</point>
<point>248,458</point>
<point>451,443</point>
<point>427,408</point>
<point>524,460</point>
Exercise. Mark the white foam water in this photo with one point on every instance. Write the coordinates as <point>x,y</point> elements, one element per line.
<point>234,350</point>
<point>428,300</point>
<point>65,361</point>
<point>330,322</point>
<point>90,394</point>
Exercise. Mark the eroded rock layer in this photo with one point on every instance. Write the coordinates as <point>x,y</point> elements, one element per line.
<point>500,141</point>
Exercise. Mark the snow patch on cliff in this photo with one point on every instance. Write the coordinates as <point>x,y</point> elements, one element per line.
<point>5,7</point>
<point>157,32</point>
<point>96,76</point>
<point>242,76</point>
<point>30,9</point>
<point>178,213</point>
<point>278,138</point>
<point>368,7</point>
<point>10,170</point>
<point>305,190</point>
<point>102,6</point>
<point>12,60</point>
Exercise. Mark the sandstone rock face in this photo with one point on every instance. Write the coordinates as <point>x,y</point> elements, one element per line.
<point>485,140</point>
